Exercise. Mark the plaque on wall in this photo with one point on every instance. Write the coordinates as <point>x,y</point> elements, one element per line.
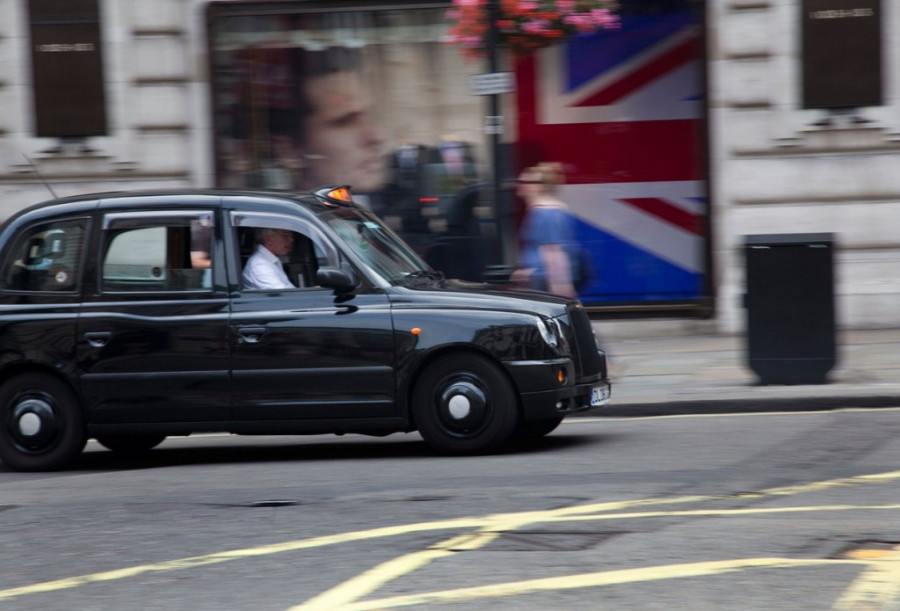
<point>67,68</point>
<point>842,57</point>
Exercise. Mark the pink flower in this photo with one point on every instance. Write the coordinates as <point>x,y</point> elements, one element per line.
<point>525,25</point>
<point>537,26</point>
<point>580,22</point>
<point>605,19</point>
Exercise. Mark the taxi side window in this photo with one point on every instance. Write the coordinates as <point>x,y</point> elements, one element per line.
<point>173,256</point>
<point>47,258</point>
<point>300,262</point>
<point>307,249</point>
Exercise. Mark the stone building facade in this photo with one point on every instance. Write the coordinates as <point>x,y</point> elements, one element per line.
<point>158,118</point>
<point>778,168</point>
<point>775,167</point>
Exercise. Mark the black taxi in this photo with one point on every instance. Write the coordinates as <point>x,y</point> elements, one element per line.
<point>125,317</point>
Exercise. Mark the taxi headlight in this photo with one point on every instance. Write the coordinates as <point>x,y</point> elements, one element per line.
<point>549,331</point>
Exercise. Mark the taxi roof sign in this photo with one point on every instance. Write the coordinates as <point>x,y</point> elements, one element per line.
<point>338,195</point>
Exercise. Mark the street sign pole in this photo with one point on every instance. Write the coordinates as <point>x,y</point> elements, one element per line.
<point>501,206</point>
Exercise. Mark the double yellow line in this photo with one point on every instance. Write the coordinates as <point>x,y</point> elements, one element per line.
<point>880,582</point>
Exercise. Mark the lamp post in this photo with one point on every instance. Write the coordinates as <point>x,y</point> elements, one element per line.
<point>494,125</point>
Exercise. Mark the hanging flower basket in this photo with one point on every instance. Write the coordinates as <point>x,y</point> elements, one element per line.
<point>526,25</point>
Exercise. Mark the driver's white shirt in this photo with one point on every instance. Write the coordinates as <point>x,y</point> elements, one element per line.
<point>264,271</point>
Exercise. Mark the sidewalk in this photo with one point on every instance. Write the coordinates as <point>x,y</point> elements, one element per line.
<point>684,373</point>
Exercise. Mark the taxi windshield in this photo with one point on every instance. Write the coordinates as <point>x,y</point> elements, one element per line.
<point>379,247</point>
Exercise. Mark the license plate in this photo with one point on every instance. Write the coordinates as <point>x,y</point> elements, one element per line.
<point>600,395</point>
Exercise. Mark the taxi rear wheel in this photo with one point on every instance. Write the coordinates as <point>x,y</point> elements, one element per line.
<point>130,444</point>
<point>464,404</point>
<point>41,425</point>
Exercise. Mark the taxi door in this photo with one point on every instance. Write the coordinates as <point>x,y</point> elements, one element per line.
<point>152,335</point>
<point>303,353</point>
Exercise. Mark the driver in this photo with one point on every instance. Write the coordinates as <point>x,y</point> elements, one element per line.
<point>264,270</point>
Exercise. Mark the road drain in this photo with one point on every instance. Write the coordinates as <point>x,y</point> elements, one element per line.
<point>548,541</point>
<point>273,503</point>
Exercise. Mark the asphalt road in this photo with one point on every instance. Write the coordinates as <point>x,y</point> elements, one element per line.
<point>757,511</point>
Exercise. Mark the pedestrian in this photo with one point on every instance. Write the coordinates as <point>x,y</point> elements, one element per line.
<point>548,251</point>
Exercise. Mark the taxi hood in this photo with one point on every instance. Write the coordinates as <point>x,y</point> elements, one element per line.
<point>461,294</point>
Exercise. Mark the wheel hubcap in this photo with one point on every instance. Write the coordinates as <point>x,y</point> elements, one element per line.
<point>463,406</point>
<point>29,424</point>
<point>459,407</point>
<point>34,423</point>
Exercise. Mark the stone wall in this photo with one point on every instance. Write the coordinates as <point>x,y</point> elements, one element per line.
<point>773,170</point>
<point>777,169</point>
<point>157,115</point>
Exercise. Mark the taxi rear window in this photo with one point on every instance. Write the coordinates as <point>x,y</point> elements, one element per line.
<point>47,258</point>
<point>167,253</point>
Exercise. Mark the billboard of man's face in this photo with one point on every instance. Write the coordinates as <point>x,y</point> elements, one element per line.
<point>341,140</point>
<point>304,99</point>
<point>370,97</point>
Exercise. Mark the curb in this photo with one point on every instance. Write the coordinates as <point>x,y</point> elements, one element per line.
<point>681,407</point>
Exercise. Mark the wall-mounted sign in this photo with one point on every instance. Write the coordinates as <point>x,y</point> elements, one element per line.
<point>67,68</point>
<point>493,83</point>
<point>842,62</point>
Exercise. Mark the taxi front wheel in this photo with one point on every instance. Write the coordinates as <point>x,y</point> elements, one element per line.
<point>41,425</point>
<point>464,404</point>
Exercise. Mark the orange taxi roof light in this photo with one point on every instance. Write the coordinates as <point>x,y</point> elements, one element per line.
<point>336,194</point>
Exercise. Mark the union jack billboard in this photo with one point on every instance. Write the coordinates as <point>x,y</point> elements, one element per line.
<point>623,111</point>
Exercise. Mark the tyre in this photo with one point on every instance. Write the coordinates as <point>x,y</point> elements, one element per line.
<point>41,424</point>
<point>536,428</point>
<point>130,445</point>
<point>464,404</point>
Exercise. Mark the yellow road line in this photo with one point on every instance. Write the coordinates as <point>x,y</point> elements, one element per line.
<point>343,594</point>
<point>588,580</point>
<point>723,512</point>
<point>877,588</point>
<point>497,522</point>
<point>379,575</point>
<point>215,558</point>
<point>376,577</point>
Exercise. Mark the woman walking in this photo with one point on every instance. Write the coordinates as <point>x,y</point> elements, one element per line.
<point>547,255</point>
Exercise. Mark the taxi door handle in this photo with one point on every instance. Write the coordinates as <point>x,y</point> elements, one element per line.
<point>98,339</point>
<point>250,335</point>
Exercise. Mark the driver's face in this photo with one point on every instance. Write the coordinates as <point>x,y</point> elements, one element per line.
<point>343,143</point>
<point>279,242</point>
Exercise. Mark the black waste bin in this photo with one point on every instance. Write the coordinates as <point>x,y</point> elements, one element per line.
<point>790,307</point>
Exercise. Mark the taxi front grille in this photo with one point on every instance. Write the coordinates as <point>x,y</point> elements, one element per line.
<point>587,361</point>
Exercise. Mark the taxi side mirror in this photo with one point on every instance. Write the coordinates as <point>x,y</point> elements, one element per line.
<point>340,279</point>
